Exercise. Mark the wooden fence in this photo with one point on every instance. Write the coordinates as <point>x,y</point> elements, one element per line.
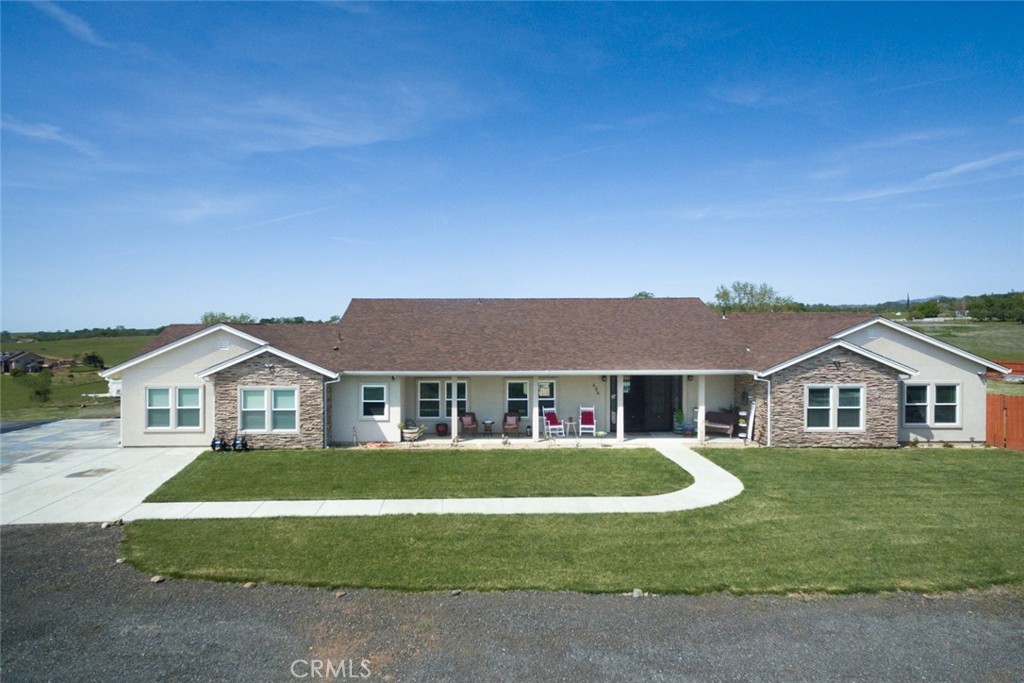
<point>1005,427</point>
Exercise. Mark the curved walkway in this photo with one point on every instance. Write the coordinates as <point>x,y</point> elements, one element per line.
<point>711,485</point>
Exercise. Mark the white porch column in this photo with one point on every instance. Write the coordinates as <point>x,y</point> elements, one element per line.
<point>454,403</point>
<point>701,407</point>
<point>620,410</point>
<point>535,407</point>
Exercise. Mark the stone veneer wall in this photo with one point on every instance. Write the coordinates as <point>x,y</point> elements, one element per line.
<point>881,402</point>
<point>283,374</point>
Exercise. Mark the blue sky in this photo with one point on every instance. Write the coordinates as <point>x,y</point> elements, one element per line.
<point>165,159</point>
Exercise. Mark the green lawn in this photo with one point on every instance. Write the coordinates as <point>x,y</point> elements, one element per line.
<point>66,400</point>
<point>991,340</point>
<point>808,521</point>
<point>423,473</point>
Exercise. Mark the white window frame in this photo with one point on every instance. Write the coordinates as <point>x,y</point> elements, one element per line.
<point>420,400</point>
<point>461,404</point>
<point>268,409</point>
<point>525,382</point>
<point>547,402</point>
<point>443,400</point>
<point>168,408</point>
<point>931,403</point>
<point>363,402</point>
<point>172,408</point>
<point>834,407</point>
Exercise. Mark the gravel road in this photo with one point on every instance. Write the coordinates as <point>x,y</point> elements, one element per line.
<point>69,612</point>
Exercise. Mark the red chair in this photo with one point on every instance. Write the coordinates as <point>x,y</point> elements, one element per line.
<point>588,421</point>
<point>552,425</point>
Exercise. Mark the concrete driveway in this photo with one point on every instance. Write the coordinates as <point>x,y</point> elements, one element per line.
<point>74,471</point>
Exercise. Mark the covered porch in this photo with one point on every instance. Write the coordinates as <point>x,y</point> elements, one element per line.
<point>693,406</point>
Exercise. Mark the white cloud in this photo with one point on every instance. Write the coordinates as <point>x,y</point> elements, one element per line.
<point>47,132</point>
<point>74,25</point>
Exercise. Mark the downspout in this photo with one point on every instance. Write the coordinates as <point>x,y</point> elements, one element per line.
<point>327,441</point>
<point>768,417</point>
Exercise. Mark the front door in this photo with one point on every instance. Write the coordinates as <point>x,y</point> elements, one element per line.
<point>648,403</point>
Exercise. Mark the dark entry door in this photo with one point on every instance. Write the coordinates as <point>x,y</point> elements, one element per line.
<point>648,403</point>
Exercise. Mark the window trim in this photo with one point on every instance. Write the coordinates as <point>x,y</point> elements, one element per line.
<point>173,408</point>
<point>268,409</point>
<point>443,400</point>
<point>362,402</point>
<point>834,408</point>
<point>547,402</point>
<point>930,404</point>
<point>529,403</point>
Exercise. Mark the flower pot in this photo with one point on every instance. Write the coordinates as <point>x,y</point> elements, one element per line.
<point>441,428</point>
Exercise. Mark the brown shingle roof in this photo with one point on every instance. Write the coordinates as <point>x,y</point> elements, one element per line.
<point>523,335</point>
<point>776,337</point>
<point>543,335</point>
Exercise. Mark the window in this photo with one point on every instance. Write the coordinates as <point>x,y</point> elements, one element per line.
<point>158,408</point>
<point>260,407</point>
<point>946,404</point>
<point>254,410</point>
<point>188,407</point>
<point>374,401</point>
<point>461,403</point>
<point>517,397</point>
<point>546,395</point>
<point>283,410</point>
<point>430,399</point>
<point>834,407</point>
<point>931,404</point>
<point>819,407</point>
<point>173,408</point>
<point>915,404</point>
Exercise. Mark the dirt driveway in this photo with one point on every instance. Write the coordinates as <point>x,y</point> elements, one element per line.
<point>74,471</point>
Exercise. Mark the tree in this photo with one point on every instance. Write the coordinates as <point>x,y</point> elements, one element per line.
<point>213,317</point>
<point>643,295</point>
<point>93,360</point>
<point>747,296</point>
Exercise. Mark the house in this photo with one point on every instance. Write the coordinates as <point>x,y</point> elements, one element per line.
<point>25,361</point>
<point>803,379</point>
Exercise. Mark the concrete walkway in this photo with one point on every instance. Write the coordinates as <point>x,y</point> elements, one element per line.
<point>73,471</point>
<point>712,485</point>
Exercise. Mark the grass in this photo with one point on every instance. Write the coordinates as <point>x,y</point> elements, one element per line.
<point>422,473</point>
<point>66,400</point>
<point>809,521</point>
<point>114,350</point>
<point>991,340</point>
<point>1005,388</point>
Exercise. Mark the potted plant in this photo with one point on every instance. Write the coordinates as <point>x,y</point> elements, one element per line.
<point>678,420</point>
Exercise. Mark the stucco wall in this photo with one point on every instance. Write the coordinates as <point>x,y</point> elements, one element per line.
<point>175,368</point>
<point>485,397</point>
<point>839,366</point>
<point>934,365</point>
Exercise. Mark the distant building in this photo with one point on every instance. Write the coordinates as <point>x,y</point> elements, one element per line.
<point>25,361</point>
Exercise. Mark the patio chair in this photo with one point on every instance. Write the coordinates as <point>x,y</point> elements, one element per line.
<point>468,423</point>
<point>510,423</point>
<point>588,421</point>
<point>552,425</point>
